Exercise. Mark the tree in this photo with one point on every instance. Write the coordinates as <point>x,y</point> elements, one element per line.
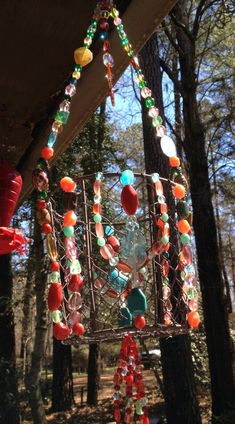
<point>9,411</point>
<point>179,386</point>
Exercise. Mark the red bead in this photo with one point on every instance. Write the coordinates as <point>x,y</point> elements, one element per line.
<point>114,243</point>
<point>129,379</point>
<point>104,26</point>
<point>47,153</point>
<point>61,331</point>
<point>54,267</point>
<point>129,199</point>
<point>76,283</point>
<point>78,329</point>
<point>41,204</point>
<point>139,322</point>
<point>46,228</point>
<point>55,297</point>
<point>67,184</point>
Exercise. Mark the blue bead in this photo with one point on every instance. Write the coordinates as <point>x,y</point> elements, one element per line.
<point>103,36</point>
<point>127,177</point>
<point>73,81</point>
<point>52,139</point>
<point>109,231</point>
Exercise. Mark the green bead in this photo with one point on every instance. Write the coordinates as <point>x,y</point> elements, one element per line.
<point>165,217</point>
<point>125,41</point>
<point>43,195</point>
<point>101,241</point>
<point>130,53</point>
<point>75,267</point>
<point>185,239</point>
<point>77,68</point>
<point>166,255</point>
<point>142,84</point>
<point>156,121</point>
<point>95,275</point>
<point>143,270</point>
<point>120,27</point>
<point>165,240</point>
<point>183,209</point>
<point>54,277</point>
<point>56,316</point>
<point>68,231</point>
<point>97,217</point>
<point>149,102</point>
<point>192,293</point>
<point>62,116</point>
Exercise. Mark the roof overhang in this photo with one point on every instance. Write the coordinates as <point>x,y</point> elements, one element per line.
<point>38,40</point>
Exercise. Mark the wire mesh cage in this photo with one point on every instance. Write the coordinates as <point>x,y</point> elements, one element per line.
<point>125,260</point>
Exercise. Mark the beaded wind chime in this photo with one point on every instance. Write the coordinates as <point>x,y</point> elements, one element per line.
<point>127,257</point>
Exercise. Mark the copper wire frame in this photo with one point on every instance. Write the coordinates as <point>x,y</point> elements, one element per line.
<point>97,310</point>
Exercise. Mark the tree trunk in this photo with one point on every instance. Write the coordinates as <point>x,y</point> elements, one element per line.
<point>9,412</point>
<point>32,380</point>
<point>93,374</point>
<point>209,267</point>
<point>62,389</point>
<point>178,378</point>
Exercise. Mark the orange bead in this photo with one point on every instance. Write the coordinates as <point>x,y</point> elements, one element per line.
<point>179,191</point>
<point>47,153</point>
<point>183,226</point>
<point>193,320</point>
<point>67,184</point>
<point>97,208</point>
<point>174,161</point>
<point>139,322</point>
<point>70,218</point>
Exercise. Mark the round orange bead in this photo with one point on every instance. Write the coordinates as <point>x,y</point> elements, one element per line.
<point>179,191</point>
<point>174,161</point>
<point>139,322</point>
<point>47,153</point>
<point>97,208</point>
<point>183,226</point>
<point>67,184</point>
<point>193,320</point>
<point>70,218</point>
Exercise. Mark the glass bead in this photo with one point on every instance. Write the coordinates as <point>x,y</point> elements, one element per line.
<point>62,116</point>
<point>164,217</point>
<point>70,90</point>
<point>161,199</point>
<point>107,251</point>
<point>120,27</point>
<point>97,199</point>
<point>51,247</point>
<point>101,241</point>
<point>95,275</point>
<point>99,283</point>
<point>146,92</point>
<point>75,267</point>
<point>68,230</point>
<point>87,41</point>
<point>192,293</point>
<point>114,12</point>
<point>161,131</point>
<point>108,59</point>
<point>165,240</point>
<point>99,229</point>
<point>155,177</point>
<point>149,102</point>
<point>64,106</point>
<point>127,177</point>
<point>168,146</point>
<point>125,41</point>
<point>114,261</point>
<point>103,35</point>
<point>193,305</point>
<point>57,127</point>
<point>117,21</point>
<point>56,316</point>
<point>185,238</point>
<point>77,68</point>
<point>52,139</point>
<point>153,112</point>
<point>97,187</point>
<point>142,84</point>
<point>76,75</point>
<point>159,188</point>
<point>156,121</point>
<point>104,14</point>
<point>74,302</point>
<point>130,53</point>
<point>42,195</point>
<point>54,277</point>
<point>97,217</point>
<point>109,231</point>
<point>137,302</point>
<point>74,317</point>
<point>99,176</point>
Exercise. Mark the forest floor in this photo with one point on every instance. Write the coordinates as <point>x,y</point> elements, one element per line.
<point>102,414</point>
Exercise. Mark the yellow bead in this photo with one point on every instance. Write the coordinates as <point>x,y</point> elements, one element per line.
<point>76,75</point>
<point>83,56</point>
<point>51,248</point>
<point>57,127</point>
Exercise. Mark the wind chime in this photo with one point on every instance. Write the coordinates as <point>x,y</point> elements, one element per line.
<point>129,256</point>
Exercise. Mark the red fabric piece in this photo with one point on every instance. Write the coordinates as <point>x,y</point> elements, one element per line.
<point>11,239</point>
<point>10,188</point>
<point>129,199</point>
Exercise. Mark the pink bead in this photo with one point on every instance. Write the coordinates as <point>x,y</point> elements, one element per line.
<point>97,187</point>
<point>146,92</point>
<point>117,21</point>
<point>70,90</point>
<point>159,188</point>
<point>193,305</point>
<point>99,229</point>
<point>64,106</point>
<point>74,317</point>
<point>153,111</point>
<point>161,131</point>
<point>70,248</point>
<point>107,251</point>
<point>99,283</point>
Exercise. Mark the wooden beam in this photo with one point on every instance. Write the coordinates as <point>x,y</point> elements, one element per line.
<point>140,21</point>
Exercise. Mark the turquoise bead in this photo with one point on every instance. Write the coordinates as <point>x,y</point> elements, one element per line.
<point>97,217</point>
<point>155,177</point>
<point>117,280</point>
<point>68,231</point>
<point>101,241</point>
<point>165,217</point>
<point>124,317</point>
<point>52,139</point>
<point>127,177</point>
<point>109,231</point>
<point>136,302</point>
<point>165,240</point>
<point>185,239</point>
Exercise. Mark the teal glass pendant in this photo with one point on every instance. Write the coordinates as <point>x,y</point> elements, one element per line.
<point>133,245</point>
<point>124,317</point>
<point>136,302</point>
